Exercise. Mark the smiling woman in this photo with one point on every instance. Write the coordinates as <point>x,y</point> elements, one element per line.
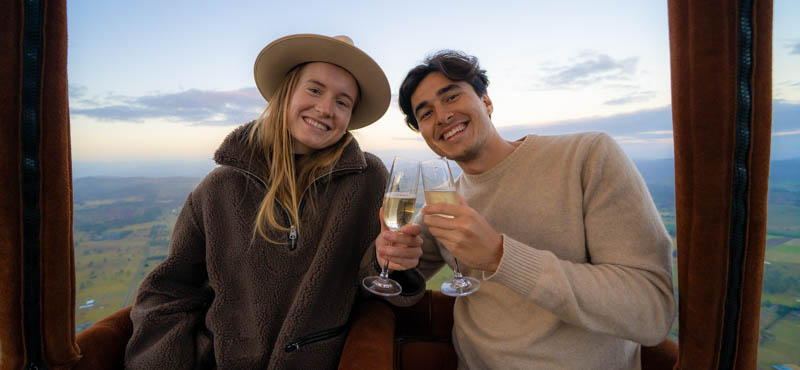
<point>256,276</point>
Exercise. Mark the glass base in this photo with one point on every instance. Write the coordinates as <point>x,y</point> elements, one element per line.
<point>460,287</point>
<point>381,286</point>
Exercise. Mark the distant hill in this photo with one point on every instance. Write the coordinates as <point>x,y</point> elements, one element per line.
<point>140,188</point>
<point>785,172</point>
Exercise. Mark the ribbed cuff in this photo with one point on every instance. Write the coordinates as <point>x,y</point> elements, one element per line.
<point>519,268</point>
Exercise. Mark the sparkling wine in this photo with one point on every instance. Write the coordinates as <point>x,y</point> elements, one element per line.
<point>398,209</point>
<point>441,196</point>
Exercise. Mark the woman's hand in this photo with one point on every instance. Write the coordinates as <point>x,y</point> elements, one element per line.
<point>402,247</point>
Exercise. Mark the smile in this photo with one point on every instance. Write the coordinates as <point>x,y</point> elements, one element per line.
<point>454,130</point>
<point>316,124</point>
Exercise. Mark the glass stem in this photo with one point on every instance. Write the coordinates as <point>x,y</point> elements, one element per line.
<point>385,269</point>
<point>457,272</point>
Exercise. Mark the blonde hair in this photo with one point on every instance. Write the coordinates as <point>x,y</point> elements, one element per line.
<point>287,180</point>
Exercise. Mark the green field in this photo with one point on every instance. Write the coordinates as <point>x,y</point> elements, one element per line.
<point>108,272</point>
<point>121,233</point>
<point>779,338</point>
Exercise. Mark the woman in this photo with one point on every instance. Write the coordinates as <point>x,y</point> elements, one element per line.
<point>263,267</point>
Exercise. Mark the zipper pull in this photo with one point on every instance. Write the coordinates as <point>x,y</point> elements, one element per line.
<point>293,347</point>
<point>292,238</point>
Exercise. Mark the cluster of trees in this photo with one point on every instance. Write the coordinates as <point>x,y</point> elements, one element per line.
<point>780,280</point>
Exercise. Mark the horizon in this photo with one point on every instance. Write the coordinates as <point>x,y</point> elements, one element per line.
<point>199,168</point>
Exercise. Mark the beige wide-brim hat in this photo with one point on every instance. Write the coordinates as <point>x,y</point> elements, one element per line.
<point>283,54</point>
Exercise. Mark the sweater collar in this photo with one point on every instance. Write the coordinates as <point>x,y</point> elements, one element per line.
<point>517,154</point>
<point>235,151</point>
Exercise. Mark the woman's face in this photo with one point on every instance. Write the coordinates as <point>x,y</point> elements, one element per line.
<point>320,106</point>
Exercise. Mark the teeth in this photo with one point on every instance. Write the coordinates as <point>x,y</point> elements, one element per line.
<point>454,131</point>
<point>316,124</point>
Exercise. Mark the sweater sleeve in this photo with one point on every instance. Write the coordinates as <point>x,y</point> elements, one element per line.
<point>625,289</point>
<point>168,314</point>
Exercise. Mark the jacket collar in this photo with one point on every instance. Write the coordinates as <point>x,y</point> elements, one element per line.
<point>234,151</point>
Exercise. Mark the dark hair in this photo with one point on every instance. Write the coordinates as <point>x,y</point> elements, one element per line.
<point>455,65</point>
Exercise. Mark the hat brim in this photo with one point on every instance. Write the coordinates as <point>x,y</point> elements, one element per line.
<point>283,54</point>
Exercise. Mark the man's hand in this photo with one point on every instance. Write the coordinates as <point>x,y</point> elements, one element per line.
<point>402,247</point>
<point>467,235</point>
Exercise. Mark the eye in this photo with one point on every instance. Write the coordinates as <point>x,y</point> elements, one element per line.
<point>424,115</point>
<point>343,103</point>
<point>452,97</point>
<point>314,90</point>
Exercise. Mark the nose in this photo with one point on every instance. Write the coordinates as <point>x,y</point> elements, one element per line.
<point>325,107</point>
<point>444,116</point>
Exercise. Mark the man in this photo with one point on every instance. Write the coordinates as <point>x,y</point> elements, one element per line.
<point>572,254</point>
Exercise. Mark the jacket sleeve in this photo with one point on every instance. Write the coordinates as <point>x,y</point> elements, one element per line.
<point>625,289</point>
<point>170,307</point>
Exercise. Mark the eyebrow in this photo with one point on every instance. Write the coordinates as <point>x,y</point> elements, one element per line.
<point>441,92</point>
<point>323,85</point>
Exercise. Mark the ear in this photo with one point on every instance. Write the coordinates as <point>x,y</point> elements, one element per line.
<point>488,103</point>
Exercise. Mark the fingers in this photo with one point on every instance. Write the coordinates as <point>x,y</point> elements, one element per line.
<point>401,238</point>
<point>442,208</point>
<point>401,257</point>
<point>448,237</point>
<point>439,221</point>
<point>410,229</point>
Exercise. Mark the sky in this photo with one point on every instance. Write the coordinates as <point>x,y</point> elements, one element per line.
<point>155,86</point>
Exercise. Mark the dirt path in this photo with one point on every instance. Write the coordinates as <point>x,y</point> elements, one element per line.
<point>135,279</point>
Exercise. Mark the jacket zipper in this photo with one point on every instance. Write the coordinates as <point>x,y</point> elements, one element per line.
<point>293,228</point>
<point>316,337</point>
<point>292,237</point>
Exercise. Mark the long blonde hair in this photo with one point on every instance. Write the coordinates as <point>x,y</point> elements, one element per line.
<point>287,179</point>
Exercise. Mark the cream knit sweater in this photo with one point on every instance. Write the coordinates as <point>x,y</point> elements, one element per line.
<point>585,276</point>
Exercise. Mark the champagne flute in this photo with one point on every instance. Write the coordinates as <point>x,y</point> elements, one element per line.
<point>439,186</point>
<point>398,210</point>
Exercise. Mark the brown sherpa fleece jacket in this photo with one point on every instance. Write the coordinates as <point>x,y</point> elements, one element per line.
<point>225,299</point>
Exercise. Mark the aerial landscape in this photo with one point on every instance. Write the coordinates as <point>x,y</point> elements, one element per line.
<point>122,227</point>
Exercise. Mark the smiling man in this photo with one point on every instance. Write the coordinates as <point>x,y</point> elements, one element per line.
<point>573,258</point>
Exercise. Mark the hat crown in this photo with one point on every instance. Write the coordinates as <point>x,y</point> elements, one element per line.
<point>344,38</point>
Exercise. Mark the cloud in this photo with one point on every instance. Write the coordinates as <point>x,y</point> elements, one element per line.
<point>591,68</point>
<point>655,132</point>
<point>634,97</point>
<point>648,133</point>
<point>643,122</point>
<point>199,107</point>
<point>640,140</point>
<point>76,91</point>
<point>794,49</point>
<point>786,133</point>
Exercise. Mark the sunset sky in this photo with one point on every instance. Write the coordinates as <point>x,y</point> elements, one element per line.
<point>165,81</point>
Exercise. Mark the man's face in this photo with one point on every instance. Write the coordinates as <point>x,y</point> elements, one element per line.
<point>452,118</point>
